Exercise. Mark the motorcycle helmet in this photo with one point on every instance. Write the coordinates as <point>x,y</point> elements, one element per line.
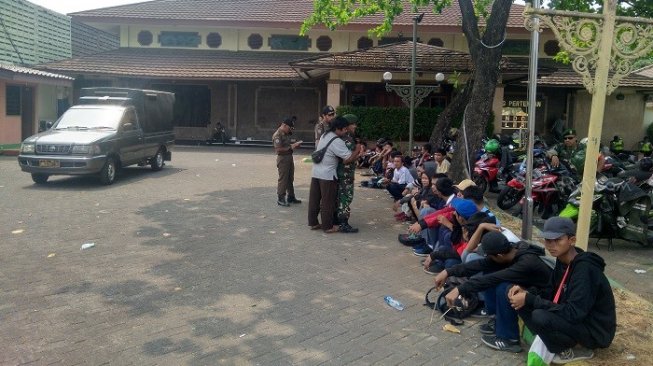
<point>492,146</point>
<point>646,164</point>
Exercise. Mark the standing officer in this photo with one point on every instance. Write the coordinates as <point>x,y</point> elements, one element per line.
<point>285,163</point>
<point>346,175</point>
<point>323,124</point>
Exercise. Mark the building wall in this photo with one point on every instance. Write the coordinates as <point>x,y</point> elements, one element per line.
<point>40,35</point>
<point>10,126</point>
<point>87,40</point>
<point>622,117</point>
<point>46,103</point>
<point>342,40</point>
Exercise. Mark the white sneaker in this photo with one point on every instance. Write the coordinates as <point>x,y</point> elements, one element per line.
<point>572,354</point>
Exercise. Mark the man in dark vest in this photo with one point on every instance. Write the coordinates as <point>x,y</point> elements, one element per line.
<point>285,163</point>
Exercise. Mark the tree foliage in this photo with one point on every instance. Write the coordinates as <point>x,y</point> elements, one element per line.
<point>474,99</point>
<point>631,8</point>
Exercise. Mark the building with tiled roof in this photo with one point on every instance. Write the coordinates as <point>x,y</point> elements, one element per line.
<point>243,64</point>
<point>31,35</point>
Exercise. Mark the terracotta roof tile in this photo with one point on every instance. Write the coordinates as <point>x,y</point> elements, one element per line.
<point>33,72</point>
<point>566,76</point>
<point>397,57</point>
<point>183,64</point>
<point>265,12</point>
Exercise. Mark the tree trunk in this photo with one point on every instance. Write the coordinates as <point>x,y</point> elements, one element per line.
<point>485,52</point>
<point>451,111</point>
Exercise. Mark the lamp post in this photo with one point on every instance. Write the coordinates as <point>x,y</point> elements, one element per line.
<point>412,95</point>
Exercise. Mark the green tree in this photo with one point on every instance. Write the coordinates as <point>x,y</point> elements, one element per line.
<point>483,40</point>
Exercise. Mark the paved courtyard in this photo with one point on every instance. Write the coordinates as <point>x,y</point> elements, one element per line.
<point>197,265</point>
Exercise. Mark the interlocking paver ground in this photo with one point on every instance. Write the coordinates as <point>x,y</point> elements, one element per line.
<point>197,265</point>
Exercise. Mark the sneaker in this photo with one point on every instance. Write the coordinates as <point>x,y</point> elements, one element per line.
<point>422,250</point>
<point>434,269</point>
<point>508,345</point>
<point>348,229</point>
<point>411,240</point>
<point>293,200</point>
<point>282,202</point>
<point>489,327</point>
<point>480,312</point>
<point>572,354</point>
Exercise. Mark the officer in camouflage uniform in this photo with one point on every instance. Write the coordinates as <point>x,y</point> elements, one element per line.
<point>285,163</point>
<point>569,151</point>
<point>346,175</point>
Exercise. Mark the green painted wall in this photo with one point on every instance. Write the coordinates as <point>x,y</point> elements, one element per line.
<point>38,34</point>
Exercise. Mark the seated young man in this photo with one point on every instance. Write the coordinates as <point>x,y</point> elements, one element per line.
<point>400,178</point>
<point>451,237</point>
<point>427,225</point>
<point>578,314</point>
<point>474,193</point>
<point>505,264</point>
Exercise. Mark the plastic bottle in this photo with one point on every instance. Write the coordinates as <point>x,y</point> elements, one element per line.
<point>394,303</point>
<point>87,246</point>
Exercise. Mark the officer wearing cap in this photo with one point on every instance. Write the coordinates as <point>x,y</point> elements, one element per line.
<point>569,150</point>
<point>285,163</point>
<point>324,122</point>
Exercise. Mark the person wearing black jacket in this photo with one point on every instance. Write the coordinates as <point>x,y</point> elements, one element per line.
<point>578,314</point>
<point>505,264</point>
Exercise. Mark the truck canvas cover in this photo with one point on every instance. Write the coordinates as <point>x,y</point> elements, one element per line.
<point>154,108</point>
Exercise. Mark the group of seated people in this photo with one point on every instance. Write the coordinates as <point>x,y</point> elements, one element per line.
<point>568,305</point>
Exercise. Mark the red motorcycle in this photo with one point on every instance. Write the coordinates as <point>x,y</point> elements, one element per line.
<point>550,187</point>
<point>486,171</point>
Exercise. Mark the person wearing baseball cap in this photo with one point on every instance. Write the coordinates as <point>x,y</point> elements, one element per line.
<point>463,185</point>
<point>578,313</point>
<point>323,124</point>
<point>285,164</point>
<point>504,264</point>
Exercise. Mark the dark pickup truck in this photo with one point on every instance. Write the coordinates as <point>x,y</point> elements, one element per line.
<point>110,128</point>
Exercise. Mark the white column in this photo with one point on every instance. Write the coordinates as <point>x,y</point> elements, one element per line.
<point>333,93</point>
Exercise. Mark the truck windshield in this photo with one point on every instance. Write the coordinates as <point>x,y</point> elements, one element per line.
<point>87,118</point>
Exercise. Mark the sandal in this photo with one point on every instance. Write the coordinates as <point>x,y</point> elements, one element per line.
<point>316,227</point>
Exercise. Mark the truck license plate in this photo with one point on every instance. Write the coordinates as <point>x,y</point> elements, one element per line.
<point>49,163</point>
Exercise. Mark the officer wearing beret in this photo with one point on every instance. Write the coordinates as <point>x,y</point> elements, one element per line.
<point>285,163</point>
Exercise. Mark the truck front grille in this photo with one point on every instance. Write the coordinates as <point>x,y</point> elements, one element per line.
<point>53,149</point>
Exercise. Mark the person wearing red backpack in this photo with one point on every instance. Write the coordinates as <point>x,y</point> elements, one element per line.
<point>578,315</point>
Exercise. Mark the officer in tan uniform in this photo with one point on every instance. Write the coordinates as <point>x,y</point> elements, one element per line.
<point>285,163</point>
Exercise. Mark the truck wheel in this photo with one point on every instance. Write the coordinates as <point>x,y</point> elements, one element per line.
<point>157,161</point>
<point>108,172</point>
<point>40,178</point>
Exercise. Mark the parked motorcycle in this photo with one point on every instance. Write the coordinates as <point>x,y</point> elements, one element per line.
<point>620,209</point>
<point>486,170</point>
<point>514,190</point>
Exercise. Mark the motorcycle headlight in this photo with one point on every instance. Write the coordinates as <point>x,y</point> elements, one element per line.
<point>27,148</point>
<point>85,149</point>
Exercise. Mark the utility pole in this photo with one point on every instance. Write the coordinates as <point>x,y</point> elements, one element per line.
<point>606,45</point>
